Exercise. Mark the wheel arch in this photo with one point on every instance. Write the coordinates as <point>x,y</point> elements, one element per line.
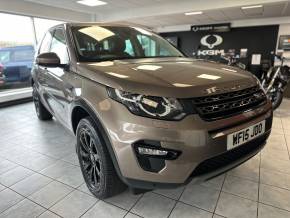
<point>80,106</point>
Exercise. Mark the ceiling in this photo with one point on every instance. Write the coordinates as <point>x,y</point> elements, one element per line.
<point>278,9</point>
<point>111,6</point>
<point>159,13</point>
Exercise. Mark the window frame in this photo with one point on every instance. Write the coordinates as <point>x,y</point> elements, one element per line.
<point>41,43</point>
<point>52,31</point>
<point>61,27</point>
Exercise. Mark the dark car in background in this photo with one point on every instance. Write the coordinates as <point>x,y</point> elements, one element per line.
<point>2,77</point>
<point>15,65</point>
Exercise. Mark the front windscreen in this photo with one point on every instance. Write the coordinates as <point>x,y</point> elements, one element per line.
<point>101,43</point>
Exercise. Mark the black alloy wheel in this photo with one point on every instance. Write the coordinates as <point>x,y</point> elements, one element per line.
<point>36,101</point>
<point>41,112</point>
<point>95,161</point>
<point>90,158</point>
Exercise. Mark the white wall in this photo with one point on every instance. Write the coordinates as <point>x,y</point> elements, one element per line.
<point>37,10</point>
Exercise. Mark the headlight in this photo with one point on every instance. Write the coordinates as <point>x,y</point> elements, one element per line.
<point>149,106</point>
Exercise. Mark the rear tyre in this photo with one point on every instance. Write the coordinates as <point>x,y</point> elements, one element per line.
<point>95,161</point>
<point>41,112</point>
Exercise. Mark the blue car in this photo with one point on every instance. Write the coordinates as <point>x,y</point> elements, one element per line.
<point>16,63</point>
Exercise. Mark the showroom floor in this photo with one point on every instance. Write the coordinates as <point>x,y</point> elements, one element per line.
<point>40,176</point>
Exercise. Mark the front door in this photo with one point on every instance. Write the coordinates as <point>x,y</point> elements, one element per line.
<point>58,91</point>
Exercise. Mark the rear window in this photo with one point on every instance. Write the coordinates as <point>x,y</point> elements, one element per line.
<point>23,55</point>
<point>4,56</point>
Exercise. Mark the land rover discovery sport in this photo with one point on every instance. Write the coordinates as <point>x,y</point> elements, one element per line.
<point>144,115</point>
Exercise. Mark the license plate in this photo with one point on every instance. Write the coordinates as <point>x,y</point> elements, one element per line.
<point>240,137</point>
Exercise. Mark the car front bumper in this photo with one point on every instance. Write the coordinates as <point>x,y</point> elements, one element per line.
<point>202,144</point>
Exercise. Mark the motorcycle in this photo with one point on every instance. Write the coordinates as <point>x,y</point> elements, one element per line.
<point>233,61</point>
<point>275,81</point>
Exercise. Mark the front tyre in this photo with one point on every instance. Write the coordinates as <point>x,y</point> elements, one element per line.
<point>41,111</point>
<point>277,100</point>
<point>95,162</point>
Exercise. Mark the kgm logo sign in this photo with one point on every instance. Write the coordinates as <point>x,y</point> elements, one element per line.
<point>216,40</point>
<point>211,41</point>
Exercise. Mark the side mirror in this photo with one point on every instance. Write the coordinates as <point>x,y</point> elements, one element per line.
<point>48,59</point>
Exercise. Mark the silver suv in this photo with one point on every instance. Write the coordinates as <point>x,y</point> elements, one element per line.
<point>144,115</point>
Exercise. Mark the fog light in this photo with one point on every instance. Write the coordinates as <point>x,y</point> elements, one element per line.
<point>156,152</point>
<point>150,151</point>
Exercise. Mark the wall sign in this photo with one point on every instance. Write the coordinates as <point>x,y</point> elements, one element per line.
<point>173,40</point>
<point>284,42</point>
<point>242,41</point>
<point>222,27</point>
<point>218,40</point>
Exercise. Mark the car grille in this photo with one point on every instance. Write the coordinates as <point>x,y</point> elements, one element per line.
<point>229,157</point>
<point>228,104</point>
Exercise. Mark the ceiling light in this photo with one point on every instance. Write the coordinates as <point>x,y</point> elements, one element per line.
<point>92,3</point>
<point>252,6</point>
<point>194,13</point>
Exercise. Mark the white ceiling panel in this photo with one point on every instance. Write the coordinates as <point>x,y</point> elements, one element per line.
<point>253,12</point>
<point>286,10</point>
<point>111,6</point>
<point>154,13</point>
<point>217,15</point>
<point>234,13</point>
<point>273,10</point>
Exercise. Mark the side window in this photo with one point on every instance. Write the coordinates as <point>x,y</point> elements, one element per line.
<point>148,45</point>
<point>58,46</point>
<point>45,44</point>
<point>129,48</point>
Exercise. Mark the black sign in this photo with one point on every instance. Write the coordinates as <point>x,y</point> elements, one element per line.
<point>221,27</point>
<point>242,41</point>
<point>173,40</point>
<point>284,42</point>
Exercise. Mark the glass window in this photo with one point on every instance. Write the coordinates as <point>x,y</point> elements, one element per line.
<point>16,52</point>
<point>129,48</point>
<point>148,45</point>
<point>58,46</point>
<point>42,25</point>
<point>18,38</point>
<point>45,44</point>
<point>100,43</point>
<point>25,54</point>
<point>4,56</point>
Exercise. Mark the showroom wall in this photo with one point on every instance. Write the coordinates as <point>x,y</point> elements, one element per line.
<point>284,29</point>
<point>241,41</point>
<point>257,40</point>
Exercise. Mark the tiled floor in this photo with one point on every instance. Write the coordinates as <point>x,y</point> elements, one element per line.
<point>40,177</point>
